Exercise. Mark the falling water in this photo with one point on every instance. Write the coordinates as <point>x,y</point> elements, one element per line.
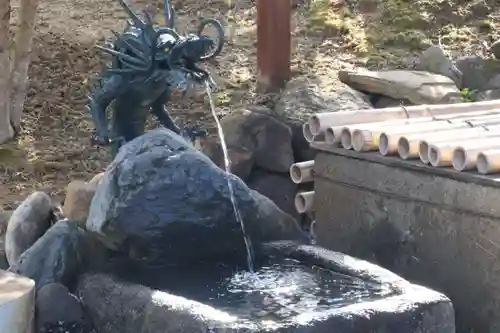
<point>227,164</point>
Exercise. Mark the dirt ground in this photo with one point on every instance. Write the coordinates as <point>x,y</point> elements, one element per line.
<point>327,35</point>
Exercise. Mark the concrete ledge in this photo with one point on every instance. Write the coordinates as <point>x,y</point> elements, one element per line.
<point>17,303</point>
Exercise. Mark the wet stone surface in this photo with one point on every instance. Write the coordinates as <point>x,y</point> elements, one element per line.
<point>64,327</point>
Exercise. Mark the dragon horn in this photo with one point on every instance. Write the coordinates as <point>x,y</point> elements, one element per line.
<point>149,26</point>
<point>122,56</point>
<point>135,19</point>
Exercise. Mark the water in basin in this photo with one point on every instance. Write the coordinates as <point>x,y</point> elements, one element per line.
<point>278,290</point>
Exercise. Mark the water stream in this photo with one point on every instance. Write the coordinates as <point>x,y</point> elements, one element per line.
<point>227,165</point>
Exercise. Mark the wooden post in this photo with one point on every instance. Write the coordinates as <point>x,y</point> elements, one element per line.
<point>273,43</point>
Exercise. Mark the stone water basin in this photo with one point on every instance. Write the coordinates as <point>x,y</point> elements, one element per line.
<point>297,288</point>
<point>279,291</point>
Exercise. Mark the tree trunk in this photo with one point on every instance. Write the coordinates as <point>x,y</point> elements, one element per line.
<point>21,60</point>
<point>6,130</point>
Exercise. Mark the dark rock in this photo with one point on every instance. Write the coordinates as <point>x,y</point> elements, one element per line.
<point>387,102</point>
<point>479,9</point>
<point>64,327</point>
<point>269,140</point>
<point>495,49</point>
<point>28,223</point>
<point>95,255</point>
<point>56,306</point>
<point>162,201</point>
<point>398,306</point>
<point>251,136</point>
<point>312,231</point>
<point>277,187</point>
<point>241,159</point>
<point>303,97</point>
<point>55,257</point>
<point>4,264</point>
<point>479,74</point>
<point>487,95</point>
<point>434,60</point>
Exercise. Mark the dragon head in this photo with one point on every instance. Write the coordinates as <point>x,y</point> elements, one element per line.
<point>141,49</point>
<point>189,50</point>
<point>196,47</point>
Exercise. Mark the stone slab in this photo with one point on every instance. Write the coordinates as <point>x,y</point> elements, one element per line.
<point>416,86</point>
